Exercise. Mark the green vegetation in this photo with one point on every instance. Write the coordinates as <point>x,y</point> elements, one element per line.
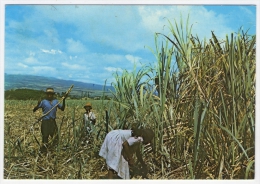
<point>31,94</point>
<point>24,94</point>
<point>71,159</point>
<point>203,115</point>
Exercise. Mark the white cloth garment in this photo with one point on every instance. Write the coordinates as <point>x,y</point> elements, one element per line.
<point>111,151</point>
<point>88,117</point>
<point>133,140</point>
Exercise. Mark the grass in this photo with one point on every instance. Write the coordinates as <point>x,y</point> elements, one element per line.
<point>67,162</point>
<point>199,100</point>
<point>204,113</point>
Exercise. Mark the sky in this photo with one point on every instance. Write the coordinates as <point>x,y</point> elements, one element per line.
<point>89,43</point>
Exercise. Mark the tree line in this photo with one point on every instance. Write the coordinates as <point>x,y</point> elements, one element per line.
<point>25,94</point>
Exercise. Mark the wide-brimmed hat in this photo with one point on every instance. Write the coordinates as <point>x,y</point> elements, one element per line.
<point>50,90</point>
<point>88,105</point>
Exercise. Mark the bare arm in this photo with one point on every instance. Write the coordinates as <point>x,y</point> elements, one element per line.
<point>63,105</point>
<point>36,107</point>
<point>127,151</point>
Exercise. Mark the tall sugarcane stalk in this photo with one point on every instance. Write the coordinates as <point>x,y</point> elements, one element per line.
<point>204,112</point>
<point>204,82</point>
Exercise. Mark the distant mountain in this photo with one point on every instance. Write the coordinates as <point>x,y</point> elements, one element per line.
<point>19,81</point>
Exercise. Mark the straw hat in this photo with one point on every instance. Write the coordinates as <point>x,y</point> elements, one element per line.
<point>50,90</point>
<point>88,105</point>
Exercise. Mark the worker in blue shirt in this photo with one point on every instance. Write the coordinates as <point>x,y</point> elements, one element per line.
<point>49,126</point>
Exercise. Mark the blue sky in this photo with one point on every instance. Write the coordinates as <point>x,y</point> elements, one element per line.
<point>89,43</point>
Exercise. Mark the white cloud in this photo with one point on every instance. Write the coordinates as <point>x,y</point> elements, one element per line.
<point>22,65</point>
<point>97,39</point>
<point>52,51</point>
<point>133,59</point>
<point>130,28</point>
<point>73,66</point>
<point>73,57</point>
<point>31,60</point>
<point>47,70</point>
<point>114,26</point>
<point>155,19</point>
<point>75,46</point>
<point>77,76</point>
<point>113,69</point>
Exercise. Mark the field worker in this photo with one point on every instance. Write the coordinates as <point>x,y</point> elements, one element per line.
<point>49,126</point>
<point>89,118</point>
<point>118,149</point>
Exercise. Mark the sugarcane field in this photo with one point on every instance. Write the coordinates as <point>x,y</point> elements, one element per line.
<point>198,100</point>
